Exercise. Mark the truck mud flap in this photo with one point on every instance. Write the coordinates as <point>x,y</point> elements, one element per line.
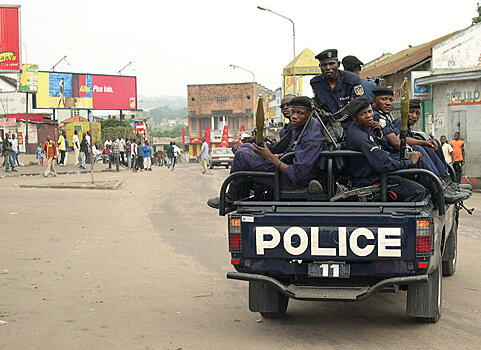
<point>326,293</point>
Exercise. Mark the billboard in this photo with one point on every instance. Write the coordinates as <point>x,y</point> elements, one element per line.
<point>28,78</point>
<point>10,39</point>
<point>57,90</point>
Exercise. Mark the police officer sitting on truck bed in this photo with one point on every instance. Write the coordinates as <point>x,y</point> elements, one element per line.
<point>307,142</point>
<point>365,135</point>
<point>334,88</point>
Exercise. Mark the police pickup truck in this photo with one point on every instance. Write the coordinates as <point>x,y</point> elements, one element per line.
<point>290,245</point>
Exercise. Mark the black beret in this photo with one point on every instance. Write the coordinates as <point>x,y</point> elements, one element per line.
<point>382,91</point>
<point>351,61</point>
<point>357,105</point>
<point>302,102</point>
<point>414,104</point>
<point>327,55</point>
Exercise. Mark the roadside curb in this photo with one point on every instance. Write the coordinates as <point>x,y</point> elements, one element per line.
<point>58,173</point>
<point>98,186</point>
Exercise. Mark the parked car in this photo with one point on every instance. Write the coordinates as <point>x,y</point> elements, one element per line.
<point>220,157</point>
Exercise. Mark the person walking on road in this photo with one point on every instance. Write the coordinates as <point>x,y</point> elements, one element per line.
<point>6,151</point>
<point>133,154</point>
<point>447,150</point>
<point>40,155</point>
<point>139,164</point>
<point>84,151</point>
<point>50,150</point>
<point>115,155</point>
<point>458,149</point>
<point>171,156</point>
<point>204,156</point>
<point>147,156</point>
<point>61,148</point>
<point>76,147</point>
<point>14,151</point>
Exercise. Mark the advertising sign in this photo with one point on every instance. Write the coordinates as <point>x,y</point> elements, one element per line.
<point>420,92</point>
<point>28,78</point>
<point>85,91</point>
<point>10,39</point>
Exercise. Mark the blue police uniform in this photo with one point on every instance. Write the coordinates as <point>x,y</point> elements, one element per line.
<point>333,101</point>
<point>379,161</point>
<point>368,86</point>
<point>301,171</point>
<point>434,160</point>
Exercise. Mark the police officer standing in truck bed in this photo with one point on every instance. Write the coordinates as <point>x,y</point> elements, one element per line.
<point>334,88</point>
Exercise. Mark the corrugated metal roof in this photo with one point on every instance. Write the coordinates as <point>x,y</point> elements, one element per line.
<point>403,59</point>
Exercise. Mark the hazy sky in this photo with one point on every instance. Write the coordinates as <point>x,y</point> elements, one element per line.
<point>176,43</point>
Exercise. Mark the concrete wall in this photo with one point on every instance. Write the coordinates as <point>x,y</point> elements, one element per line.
<point>452,97</point>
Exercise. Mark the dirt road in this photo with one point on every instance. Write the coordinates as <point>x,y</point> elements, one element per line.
<point>143,267</point>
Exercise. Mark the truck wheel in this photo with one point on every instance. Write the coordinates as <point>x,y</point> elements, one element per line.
<point>227,166</point>
<point>282,302</point>
<point>211,166</point>
<point>270,303</point>
<point>424,300</point>
<point>450,255</point>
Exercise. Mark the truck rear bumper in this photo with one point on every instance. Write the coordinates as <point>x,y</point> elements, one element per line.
<point>326,293</point>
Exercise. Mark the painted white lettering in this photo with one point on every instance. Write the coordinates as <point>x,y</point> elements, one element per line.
<point>98,88</point>
<point>389,246</point>
<point>108,89</point>
<point>353,241</point>
<point>342,241</point>
<point>315,249</point>
<point>295,231</point>
<point>262,244</point>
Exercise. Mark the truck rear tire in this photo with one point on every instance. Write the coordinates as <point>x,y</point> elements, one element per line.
<point>268,302</point>
<point>424,300</point>
<point>450,255</point>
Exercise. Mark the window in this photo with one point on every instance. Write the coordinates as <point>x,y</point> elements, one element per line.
<point>221,99</point>
<point>193,126</point>
<point>192,113</point>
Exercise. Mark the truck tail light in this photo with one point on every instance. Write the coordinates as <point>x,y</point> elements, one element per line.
<point>424,237</point>
<point>235,234</point>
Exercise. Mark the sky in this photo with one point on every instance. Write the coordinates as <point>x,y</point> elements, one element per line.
<point>175,43</point>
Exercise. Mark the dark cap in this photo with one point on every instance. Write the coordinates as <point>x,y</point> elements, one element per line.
<point>351,61</point>
<point>326,55</point>
<point>301,102</point>
<point>382,91</point>
<point>414,104</point>
<point>357,105</point>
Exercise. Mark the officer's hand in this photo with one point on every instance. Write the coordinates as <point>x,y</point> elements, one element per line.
<point>262,151</point>
<point>415,156</point>
<point>376,127</point>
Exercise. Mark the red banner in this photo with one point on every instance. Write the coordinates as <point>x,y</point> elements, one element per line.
<point>242,129</point>
<point>114,92</point>
<point>225,137</point>
<point>183,138</point>
<point>207,135</point>
<point>10,39</point>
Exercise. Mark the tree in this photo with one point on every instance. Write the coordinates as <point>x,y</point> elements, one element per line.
<point>477,19</point>
<point>111,129</point>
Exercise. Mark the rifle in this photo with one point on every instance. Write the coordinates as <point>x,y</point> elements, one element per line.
<point>363,193</point>
<point>404,119</point>
<point>260,122</point>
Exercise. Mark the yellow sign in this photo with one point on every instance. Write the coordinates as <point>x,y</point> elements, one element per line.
<point>28,78</point>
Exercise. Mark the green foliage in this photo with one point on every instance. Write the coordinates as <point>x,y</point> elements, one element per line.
<point>477,19</point>
<point>173,131</point>
<point>111,129</point>
<point>165,112</point>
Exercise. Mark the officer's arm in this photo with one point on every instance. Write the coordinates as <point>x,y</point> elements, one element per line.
<point>393,140</point>
<point>381,160</point>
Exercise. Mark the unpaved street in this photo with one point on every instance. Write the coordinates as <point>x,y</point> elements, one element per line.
<point>143,267</point>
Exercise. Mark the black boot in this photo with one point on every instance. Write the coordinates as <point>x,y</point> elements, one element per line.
<point>233,194</point>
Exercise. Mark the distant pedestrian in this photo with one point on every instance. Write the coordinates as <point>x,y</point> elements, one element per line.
<point>128,154</point>
<point>14,151</point>
<point>6,151</point>
<point>171,156</point>
<point>76,147</point>
<point>122,150</point>
<point>115,155</point>
<point>177,153</point>
<point>66,151</point>
<point>204,156</point>
<point>160,156</point>
<point>61,148</point>
<point>139,164</point>
<point>40,155</point>
<point>458,149</point>
<point>147,156</point>
<point>447,150</point>
<point>50,150</point>
<point>133,153</point>
<point>84,151</point>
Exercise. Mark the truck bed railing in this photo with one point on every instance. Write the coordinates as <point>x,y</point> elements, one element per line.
<point>329,157</point>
